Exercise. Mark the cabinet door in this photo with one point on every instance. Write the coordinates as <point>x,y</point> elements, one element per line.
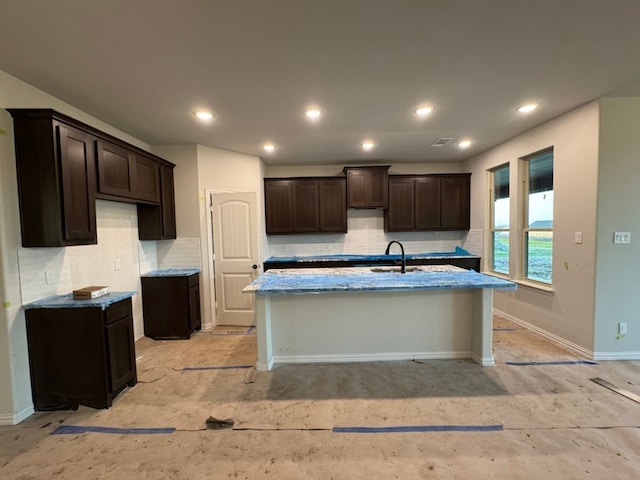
<point>194,308</point>
<point>121,353</point>
<point>454,202</point>
<point>158,222</point>
<point>367,187</point>
<point>278,206</point>
<point>78,178</point>
<point>401,213</point>
<point>147,179</point>
<point>377,188</point>
<point>116,173</point>
<point>332,196</point>
<point>67,358</point>
<point>427,203</point>
<point>167,203</point>
<point>305,206</point>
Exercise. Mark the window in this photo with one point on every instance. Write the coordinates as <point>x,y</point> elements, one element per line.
<point>500,220</point>
<point>537,250</point>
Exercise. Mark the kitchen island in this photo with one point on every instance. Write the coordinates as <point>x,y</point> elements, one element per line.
<point>321,315</point>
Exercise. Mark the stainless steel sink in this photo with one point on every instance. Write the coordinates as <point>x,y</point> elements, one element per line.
<point>393,269</point>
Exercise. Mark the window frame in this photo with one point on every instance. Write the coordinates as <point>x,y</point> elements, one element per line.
<point>525,229</point>
<point>492,228</point>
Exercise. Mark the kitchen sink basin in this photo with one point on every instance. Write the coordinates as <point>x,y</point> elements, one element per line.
<point>394,269</point>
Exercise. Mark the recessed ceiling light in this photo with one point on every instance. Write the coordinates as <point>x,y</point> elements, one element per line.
<point>367,145</point>
<point>269,147</point>
<point>528,107</point>
<point>423,110</point>
<point>203,115</point>
<point>313,112</point>
<point>464,143</point>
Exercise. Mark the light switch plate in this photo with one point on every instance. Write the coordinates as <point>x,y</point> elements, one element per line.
<point>621,237</point>
<point>578,237</point>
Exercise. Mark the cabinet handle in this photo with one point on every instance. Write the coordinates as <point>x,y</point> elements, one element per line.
<point>254,266</point>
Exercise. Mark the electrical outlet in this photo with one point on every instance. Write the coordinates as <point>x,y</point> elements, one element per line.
<point>622,328</point>
<point>621,237</point>
<point>48,277</point>
<point>116,264</point>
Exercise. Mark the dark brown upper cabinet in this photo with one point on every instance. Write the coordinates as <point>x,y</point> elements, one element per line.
<point>56,181</point>
<point>123,174</point>
<point>278,204</point>
<point>332,194</point>
<point>306,214</point>
<point>58,162</point>
<point>428,202</point>
<point>455,201</point>
<point>158,222</point>
<point>367,187</point>
<point>305,205</point>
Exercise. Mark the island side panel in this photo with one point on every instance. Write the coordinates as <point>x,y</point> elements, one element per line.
<point>482,327</point>
<point>365,326</point>
<point>263,333</point>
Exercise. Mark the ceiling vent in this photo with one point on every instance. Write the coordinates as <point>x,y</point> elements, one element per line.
<point>441,142</point>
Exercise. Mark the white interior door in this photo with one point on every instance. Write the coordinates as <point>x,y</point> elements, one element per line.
<point>236,256</point>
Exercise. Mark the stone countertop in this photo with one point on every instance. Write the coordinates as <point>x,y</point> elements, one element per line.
<point>458,253</point>
<point>172,272</point>
<point>67,301</point>
<point>365,279</point>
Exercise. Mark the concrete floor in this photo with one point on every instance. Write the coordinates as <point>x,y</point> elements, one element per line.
<point>518,422</point>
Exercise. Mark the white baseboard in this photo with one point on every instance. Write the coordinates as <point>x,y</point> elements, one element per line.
<point>616,356</point>
<point>265,367</point>
<point>369,357</point>
<point>548,335</point>
<point>483,361</point>
<point>17,417</point>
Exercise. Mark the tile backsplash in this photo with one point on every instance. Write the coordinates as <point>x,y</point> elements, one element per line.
<point>365,235</point>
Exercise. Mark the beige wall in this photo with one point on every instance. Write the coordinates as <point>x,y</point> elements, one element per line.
<point>617,295</point>
<point>568,311</point>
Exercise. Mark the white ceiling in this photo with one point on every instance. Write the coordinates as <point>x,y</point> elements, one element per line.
<point>144,66</point>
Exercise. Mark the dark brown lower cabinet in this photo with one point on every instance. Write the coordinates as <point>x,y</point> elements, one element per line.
<point>171,306</point>
<point>80,356</point>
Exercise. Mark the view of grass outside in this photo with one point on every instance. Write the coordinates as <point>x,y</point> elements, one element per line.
<point>501,252</point>
<point>539,247</point>
<point>538,244</point>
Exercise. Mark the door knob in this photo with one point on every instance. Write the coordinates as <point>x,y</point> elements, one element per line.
<point>254,266</point>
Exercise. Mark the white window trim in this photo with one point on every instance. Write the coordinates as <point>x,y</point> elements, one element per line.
<point>518,217</point>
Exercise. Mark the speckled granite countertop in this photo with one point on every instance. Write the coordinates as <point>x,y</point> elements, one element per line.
<point>365,279</point>
<point>458,253</point>
<point>67,301</point>
<point>172,272</point>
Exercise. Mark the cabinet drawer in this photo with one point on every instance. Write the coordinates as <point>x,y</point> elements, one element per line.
<point>118,310</point>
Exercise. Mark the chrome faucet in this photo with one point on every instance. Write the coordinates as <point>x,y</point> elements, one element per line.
<point>403,265</point>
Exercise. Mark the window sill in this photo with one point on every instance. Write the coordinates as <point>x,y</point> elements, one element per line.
<point>535,286</point>
<point>525,283</point>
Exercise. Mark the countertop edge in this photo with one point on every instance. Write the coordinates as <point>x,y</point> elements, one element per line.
<point>67,301</point>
